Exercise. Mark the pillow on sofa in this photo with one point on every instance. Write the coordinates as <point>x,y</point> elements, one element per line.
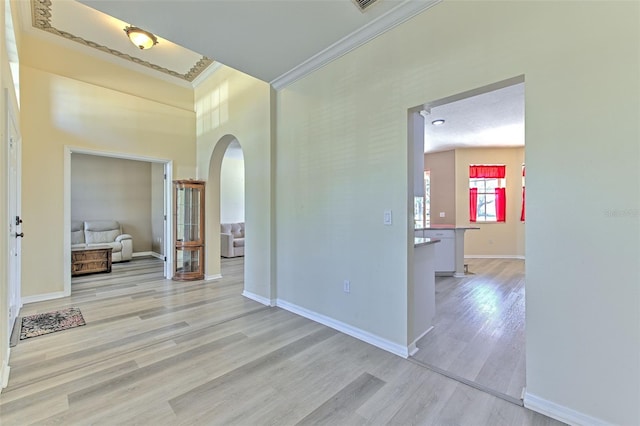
<point>77,232</point>
<point>237,229</point>
<point>101,231</point>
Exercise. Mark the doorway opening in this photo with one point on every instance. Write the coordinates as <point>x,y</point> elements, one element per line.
<point>153,230</point>
<point>478,328</point>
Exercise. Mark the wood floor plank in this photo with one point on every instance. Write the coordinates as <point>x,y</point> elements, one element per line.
<point>156,351</point>
<point>479,332</point>
<point>343,405</point>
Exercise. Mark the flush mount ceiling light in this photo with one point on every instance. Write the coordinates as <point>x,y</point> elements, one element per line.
<point>439,122</point>
<point>141,38</point>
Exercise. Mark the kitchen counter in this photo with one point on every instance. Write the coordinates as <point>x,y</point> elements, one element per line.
<point>422,241</point>
<point>450,251</point>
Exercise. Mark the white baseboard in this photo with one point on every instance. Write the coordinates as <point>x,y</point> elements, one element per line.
<point>412,347</point>
<point>560,412</point>
<point>493,256</point>
<point>43,297</point>
<point>144,254</point>
<point>352,331</point>
<point>260,299</point>
<point>212,277</point>
<point>4,371</point>
<point>157,255</point>
<point>4,375</point>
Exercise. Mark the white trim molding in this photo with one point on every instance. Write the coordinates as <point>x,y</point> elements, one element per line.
<point>144,254</point>
<point>493,256</point>
<point>396,16</point>
<point>212,277</point>
<point>204,75</point>
<point>4,371</point>
<point>43,297</point>
<point>4,375</point>
<point>413,348</point>
<point>352,331</point>
<point>257,298</point>
<point>560,412</point>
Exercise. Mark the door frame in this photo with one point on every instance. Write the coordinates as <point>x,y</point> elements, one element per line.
<point>168,194</point>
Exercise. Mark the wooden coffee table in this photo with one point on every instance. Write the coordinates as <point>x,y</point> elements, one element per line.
<point>90,260</point>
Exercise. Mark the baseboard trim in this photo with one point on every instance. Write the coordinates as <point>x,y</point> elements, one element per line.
<point>559,412</point>
<point>260,299</point>
<point>413,348</point>
<point>212,277</point>
<point>143,254</point>
<point>352,331</point>
<point>4,370</point>
<point>157,255</point>
<point>43,297</point>
<point>493,256</point>
<point>4,374</point>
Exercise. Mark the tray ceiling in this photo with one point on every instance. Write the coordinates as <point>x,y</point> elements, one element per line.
<point>81,24</point>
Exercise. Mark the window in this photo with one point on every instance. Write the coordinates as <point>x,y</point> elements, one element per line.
<point>487,198</point>
<point>422,205</point>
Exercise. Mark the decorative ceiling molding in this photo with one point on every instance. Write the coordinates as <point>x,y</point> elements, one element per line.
<point>396,16</point>
<point>41,19</point>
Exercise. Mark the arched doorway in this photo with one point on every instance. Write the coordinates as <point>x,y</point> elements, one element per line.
<point>225,175</point>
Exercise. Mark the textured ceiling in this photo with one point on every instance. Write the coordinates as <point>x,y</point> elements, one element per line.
<point>492,119</point>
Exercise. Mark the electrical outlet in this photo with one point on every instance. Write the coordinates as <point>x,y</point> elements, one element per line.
<point>388,217</point>
<point>442,214</point>
<point>347,286</point>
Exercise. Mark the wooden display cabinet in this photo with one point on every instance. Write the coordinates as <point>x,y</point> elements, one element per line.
<point>188,230</point>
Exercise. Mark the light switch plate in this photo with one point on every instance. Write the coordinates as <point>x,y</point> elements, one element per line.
<point>441,214</point>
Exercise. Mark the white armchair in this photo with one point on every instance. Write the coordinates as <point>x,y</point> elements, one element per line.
<point>232,239</point>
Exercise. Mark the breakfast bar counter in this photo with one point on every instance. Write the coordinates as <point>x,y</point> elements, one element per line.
<point>450,250</point>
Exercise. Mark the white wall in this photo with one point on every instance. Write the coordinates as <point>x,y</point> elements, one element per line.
<point>232,186</point>
<point>342,160</point>
<point>58,112</point>
<point>243,113</point>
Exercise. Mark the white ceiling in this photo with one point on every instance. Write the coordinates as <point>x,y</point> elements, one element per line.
<point>267,39</point>
<point>492,119</point>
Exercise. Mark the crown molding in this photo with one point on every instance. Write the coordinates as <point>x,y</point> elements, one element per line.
<point>205,74</point>
<point>396,16</point>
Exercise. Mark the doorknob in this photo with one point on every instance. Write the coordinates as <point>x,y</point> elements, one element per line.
<point>20,235</point>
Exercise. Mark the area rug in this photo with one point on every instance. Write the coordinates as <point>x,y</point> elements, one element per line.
<point>49,322</point>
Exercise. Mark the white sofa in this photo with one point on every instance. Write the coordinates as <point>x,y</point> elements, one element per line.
<point>232,239</point>
<point>92,233</point>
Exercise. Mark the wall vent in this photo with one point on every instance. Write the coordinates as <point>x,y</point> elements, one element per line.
<point>363,4</point>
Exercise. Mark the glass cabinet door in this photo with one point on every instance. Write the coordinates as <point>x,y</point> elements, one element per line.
<point>188,260</point>
<point>188,230</point>
<point>188,203</point>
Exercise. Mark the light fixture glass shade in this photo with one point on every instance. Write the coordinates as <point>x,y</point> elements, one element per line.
<point>141,38</point>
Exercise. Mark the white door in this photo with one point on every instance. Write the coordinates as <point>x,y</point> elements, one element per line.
<point>15,233</point>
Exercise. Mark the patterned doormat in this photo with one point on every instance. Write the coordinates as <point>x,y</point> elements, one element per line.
<point>50,322</point>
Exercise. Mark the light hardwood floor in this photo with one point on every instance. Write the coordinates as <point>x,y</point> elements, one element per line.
<point>158,352</point>
<point>479,328</point>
